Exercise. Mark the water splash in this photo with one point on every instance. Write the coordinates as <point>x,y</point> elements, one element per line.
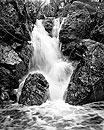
<point>58,22</point>
<point>47,58</point>
<point>56,115</point>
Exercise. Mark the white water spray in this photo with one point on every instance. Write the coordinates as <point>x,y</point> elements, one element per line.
<point>47,58</point>
<point>58,22</point>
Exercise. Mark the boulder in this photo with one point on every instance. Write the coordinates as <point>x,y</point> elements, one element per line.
<point>8,83</point>
<point>34,90</point>
<point>87,81</point>
<point>48,24</point>
<point>75,27</point>
<point>97,27</point>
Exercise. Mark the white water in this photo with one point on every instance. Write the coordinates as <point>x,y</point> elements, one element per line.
<point>47,58</point>
<point>57,27</point>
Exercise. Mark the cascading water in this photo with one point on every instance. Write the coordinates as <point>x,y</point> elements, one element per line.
<point>47,58</point>
<point>57,27</point>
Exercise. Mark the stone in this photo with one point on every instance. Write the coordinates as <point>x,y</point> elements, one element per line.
<point>15,50</point>
<point>34,90</point>
<point>97,31</point>
<point>8,55</point>
<point>75,27</point>
<point>7,79</point>
<point>8,83</point>
<point>87,80</point>
<point>48,25</point>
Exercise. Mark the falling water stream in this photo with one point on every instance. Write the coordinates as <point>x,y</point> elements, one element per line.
<point>47,58</point>
<point>55,114</point>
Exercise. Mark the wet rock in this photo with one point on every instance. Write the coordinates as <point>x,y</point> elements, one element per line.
<point>13,17</point>
<point>25,54</point>
<point>15,51</point>
<point>7,80</point>
<point>34,90</point>
<point>48,24</point>
<point>92,3</point>
<point>87,80</point>
<point>15,61</point>
<point>8,83</point>
<point>97,32</point>
<point>83,21</point>
<point>81,4</point>
<point>77,5</point>
<point>8,55</point>
<point>75,27</point>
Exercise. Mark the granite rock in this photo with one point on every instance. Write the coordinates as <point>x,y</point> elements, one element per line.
<point>87,80</point>
<point>34,90</point>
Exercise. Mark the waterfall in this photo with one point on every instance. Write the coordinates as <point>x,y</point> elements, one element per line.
<point>47,58</point>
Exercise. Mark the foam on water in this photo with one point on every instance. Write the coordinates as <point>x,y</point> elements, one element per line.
<point>58,115</point>
<point>53,115</point>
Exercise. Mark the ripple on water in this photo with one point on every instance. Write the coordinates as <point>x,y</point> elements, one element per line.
<point>53,116</point>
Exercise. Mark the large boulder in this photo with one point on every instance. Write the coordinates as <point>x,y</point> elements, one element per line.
<point>34,91</point>
<point>75,27</point>
<point>83,21</point>
<point>87,81</point>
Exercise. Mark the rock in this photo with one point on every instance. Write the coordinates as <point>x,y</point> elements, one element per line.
<point>83,21</point>
<point>7,79</point>
<point>75,27</point>
<point>97,32</point>
<point>23,67</point>
<point>16,61</point>
<point>14,21</point>
<point>15,51</point>
<point>8,55</point>
<point>8,83</point>
<point>87,81</point>
<point>84,4</point>
<point>34,90</point>
<point>92,3</point>
<point>13,66</point>
<point>48,25</point>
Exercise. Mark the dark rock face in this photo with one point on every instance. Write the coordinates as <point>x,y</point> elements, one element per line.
<point>83,21</point>
<point>35,90</point>
<point>8,83</point>
<point>48,25</point>
<point>7,80</point>
<point>75,26</point>
<point>87,82</point>
<point>15,51</point>
<point>97,32</point>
